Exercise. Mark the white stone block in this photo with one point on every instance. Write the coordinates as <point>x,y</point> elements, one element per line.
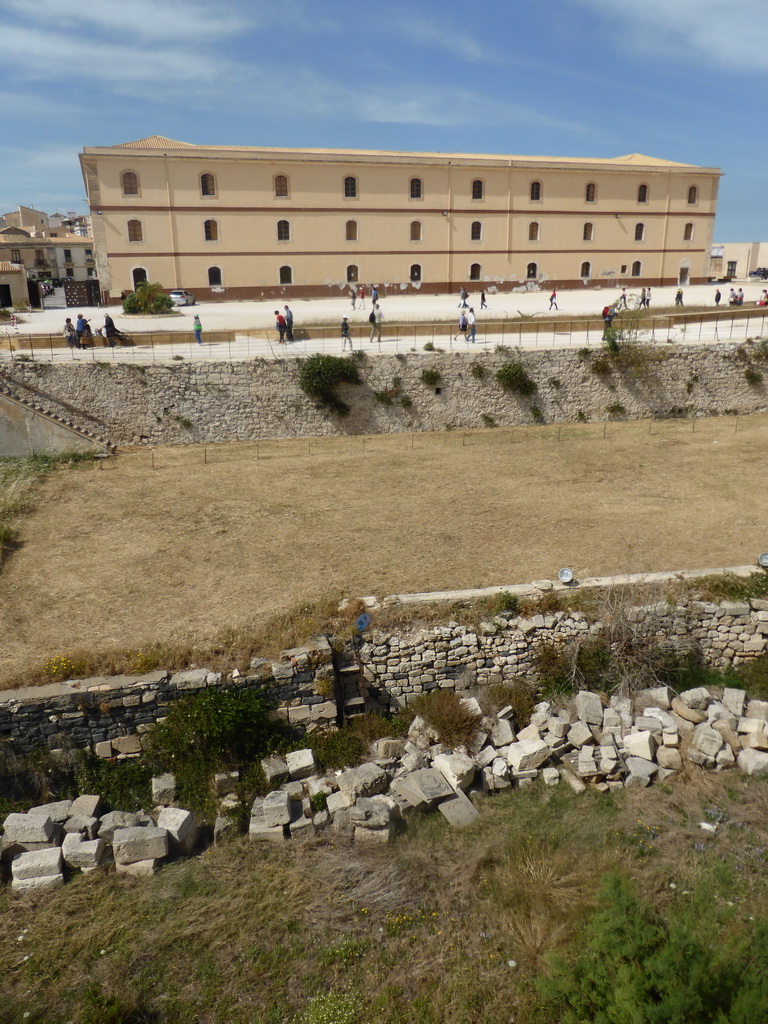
<point>181,828</point>
<point>502,733</point>
<point>367,780</point>
<point>641,744</point>
<point>163,790</point>
<point>37,864</point>
<point>277,808</point>
<point>525,754</point>
<point>87,805</point>
<point>580,734</point>
<point>588,707</point>
<point>706,740</point>
<point>23,885</point>
<point>138,868</point>
<point>82,853</point>
<point>134,844</point>
<point>753,762</point>
<point>301,763</point>
<point>551,776</point>
<point>27,828</point>
<point>58,811</point>
<point>458,769</point>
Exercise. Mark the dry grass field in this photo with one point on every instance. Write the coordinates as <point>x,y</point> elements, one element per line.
<point>193,540</point>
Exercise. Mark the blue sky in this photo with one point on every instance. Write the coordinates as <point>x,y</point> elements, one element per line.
<point>678,79</point>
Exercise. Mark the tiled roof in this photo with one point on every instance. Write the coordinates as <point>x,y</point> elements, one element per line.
<point>11,268</point>
<point>155,142</point>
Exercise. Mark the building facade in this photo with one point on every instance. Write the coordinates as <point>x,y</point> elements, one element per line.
<point>48,259</point>
<point>249,222</point>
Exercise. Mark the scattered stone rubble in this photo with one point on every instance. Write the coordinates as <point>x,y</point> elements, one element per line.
<point>608,746</point>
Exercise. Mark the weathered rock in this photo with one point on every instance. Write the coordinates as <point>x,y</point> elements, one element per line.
<point>27,828</point>
<point>697,698</point>
<point>25,885</point>
<point>551,776</point>
<point>729,735</point>
<point>374,812</point>
<point>181,828</point>
<point>225,783</point>
<point>222,827</point>
<point>588,707</point>
<point>127,744</point>
<point>258,828</point>
<point>163,790</point>
<point>367,780</point>
<point>429,785</point>
<point>753,762</point>
<point>656,696</point>
<point>641,771</point>
<point>669,758</point>
<point>140,843</point>
<point>641,744</point>
<point>580,734</point>
<point>390,747</point>
<point>526,754</point>
<point>83,825</point>
<point>375,835</point>
<point>458,769</point>
<point>575,783</point>
<point>37,864</point>
<point>706,740</point>
<point>276,770</point>
<point>58,812</point>
<point>688,714</point>
<point>82,853</point>
<point>458,810</point>
<point>734,700</point>
<point>138,868</point>
<point>88,805</point>
<point>755,741</point>
<point>755,709</point>
<point>276,808</point>
<point>301,763</point>
<point>114,820</point>
<point>502,733</point>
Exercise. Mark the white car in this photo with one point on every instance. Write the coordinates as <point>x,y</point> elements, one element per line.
<point>181,297</point>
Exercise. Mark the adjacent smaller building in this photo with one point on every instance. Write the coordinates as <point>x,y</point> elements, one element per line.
<point>43,259</point>
<point>13,284</point>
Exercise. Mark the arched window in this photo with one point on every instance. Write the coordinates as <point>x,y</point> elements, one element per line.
<point>642,194</point>
<point>637,268</point>
<point>590,192</point>
<point>211,231</point>
<point>139,274</point>
<point>586,270</point>
<point>207,185</point>
<point>588,233</point>
<point>533,231</point>
<point>688,233</point>
<point>535,191</point>
<point>477,189</point>
<point>477,231</point>
<point>693,195</point>
<point>214,277</point>
<point>415,230</point>
<point>416,272</point>
<point>475,271</point>
<point>281,186</point>
<point>639,232</point>
<point>532,272</point>
<point>286,275</point>
<point>135,231</point>
<point>416,189</point>
<point>351,230</point>
<point>350,187</point>
<point>130,182</point>
<point>351,273</point>
<point>283,231</point>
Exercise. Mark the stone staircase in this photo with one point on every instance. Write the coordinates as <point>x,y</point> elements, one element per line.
<point>55,409</point>
<point>354,697</point>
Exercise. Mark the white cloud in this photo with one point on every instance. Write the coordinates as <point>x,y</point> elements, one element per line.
<point>437,34</point>
<point>732,35</point>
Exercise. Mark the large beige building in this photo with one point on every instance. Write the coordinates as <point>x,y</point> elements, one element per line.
<point>241,222</point>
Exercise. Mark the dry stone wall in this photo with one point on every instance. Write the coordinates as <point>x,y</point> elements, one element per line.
<point>109,716</point>
<point>216,402</point>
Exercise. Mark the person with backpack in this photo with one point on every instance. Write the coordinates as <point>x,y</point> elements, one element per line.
<point>280,326</point>
<point>609,315</point>
<point>374,320</point>
<point>288,323</point>
<point>463,322</point>
<point>553,299</point>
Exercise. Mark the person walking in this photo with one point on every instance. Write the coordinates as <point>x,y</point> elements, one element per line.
<point>472,320</point>
<point>375,318</point>
<point>718,296</point>
<point>353,295</point>
<point>622,299</point>
<point>642,299</point>
<point>345,335</point>
<point>197,327</point>
<point>361,296</point>
<point>70,334</point>
<point>463,323</point>
<point>375,293</point>
<point>463,298</point>
<point>553,299</point>
<point>679,297</point>
<point>609,315</point>
<point>740,297</point>
<point>288,323</point>
<point>732,297</point>
<point>280,326</point>
<point>483,303</point>
<point>648,299</point>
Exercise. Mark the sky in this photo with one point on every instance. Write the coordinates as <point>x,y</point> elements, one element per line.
<point>683,80</point>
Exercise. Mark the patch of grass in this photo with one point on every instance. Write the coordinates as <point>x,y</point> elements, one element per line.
<point>601,366</point>
<point>518,695</point>
<point>488,420</point>
<point>430,377</point>
<point>320,375</point>
<point>752,376</point>
<point>478,371</point>
<point>502,602</point>
<point>726,587</point>
<point>514,377</point>
<point>537,414</point>
<point>615,409</point>
<point>443,710</point>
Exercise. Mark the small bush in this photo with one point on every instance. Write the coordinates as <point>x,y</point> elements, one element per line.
<point>516,695</point>
<point>616,409</point>
<point>406,401</point>
<point>555,383</point>
<point>752,376</point>
<point>320,375</point>
<point>442,709</point>
<point>503,602</point>
<point>488,421</point>
<point>149,297</point>
<point>341,748</point>
<point>584,354</point>
<point>553,669</point>
<point>429,347</point>
<point>537,414</point>
<point>430,377</point>
<point>513,377</point>
<point>581,416</point>
<point>123,786</point>
<point>477,370</point>
<point>601,366</point>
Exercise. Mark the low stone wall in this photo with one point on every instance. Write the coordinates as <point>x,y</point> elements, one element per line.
<point>219,402</point>
<point>109,716</point>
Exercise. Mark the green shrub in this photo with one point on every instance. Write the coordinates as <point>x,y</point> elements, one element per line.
<point>513,377</point>
<point>553,670</point>
<point>332,1008</point>
<point>516,695</point>
<point>341,748</point>
<point>503,602</point>
<point>429,347</point>
<point>149,297</point>
<point>488,420</point>
<point>430,377</point>
<point>752,376</point>
<point>123,786</point>
<point>477,370</point>
<point>406,401</point>
<point>537,414</point>
<point>616,409</point>
<point>320,375</point>
<point>442,709</point>
<point>581,416</point>
<point>601,366</point>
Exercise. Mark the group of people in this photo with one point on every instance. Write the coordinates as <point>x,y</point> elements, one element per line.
<point>80,334</point>
<point>374,319</point>
<point>357,294</point>
<point>284,325</point>
<point>464,295</point>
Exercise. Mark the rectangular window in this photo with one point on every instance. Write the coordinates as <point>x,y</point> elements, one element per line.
<point>15,255</point>
<point>67,255</point>
<point>732,268</point>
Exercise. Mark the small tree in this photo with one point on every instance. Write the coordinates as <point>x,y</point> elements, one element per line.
<point>149,297</point>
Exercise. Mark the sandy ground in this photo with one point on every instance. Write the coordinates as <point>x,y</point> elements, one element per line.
<point>128,553</point>
<point>397,308</point>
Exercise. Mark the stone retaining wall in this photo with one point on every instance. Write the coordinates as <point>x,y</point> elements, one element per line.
<point>219,402</point>
<point>109,716</point>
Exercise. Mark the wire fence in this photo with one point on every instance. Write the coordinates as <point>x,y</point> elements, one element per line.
<point>533,333</point>
<point>420,444</point>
